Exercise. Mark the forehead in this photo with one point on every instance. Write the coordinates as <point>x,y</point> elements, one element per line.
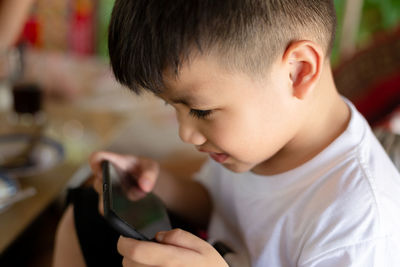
<point>200,80</point>
<point>195,81</point>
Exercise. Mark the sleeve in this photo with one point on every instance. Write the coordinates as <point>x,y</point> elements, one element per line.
<point>371,253</point>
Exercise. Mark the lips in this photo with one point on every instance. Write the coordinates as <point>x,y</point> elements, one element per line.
<point>219,157</point>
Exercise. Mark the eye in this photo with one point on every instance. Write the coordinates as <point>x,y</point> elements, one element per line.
<point>200,114</point>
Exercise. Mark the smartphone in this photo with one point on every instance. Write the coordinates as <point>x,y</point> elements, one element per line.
<point>140,219</point>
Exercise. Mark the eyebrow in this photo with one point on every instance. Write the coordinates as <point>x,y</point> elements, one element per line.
<point>185,99</point>
<point>188,101</point>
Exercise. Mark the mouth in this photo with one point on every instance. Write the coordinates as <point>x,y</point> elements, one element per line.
<point>219,157</point>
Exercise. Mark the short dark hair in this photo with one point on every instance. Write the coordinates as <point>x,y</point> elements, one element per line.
<point>147,37</point>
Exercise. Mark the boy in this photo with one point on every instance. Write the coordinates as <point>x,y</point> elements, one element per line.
<point>296,177</point>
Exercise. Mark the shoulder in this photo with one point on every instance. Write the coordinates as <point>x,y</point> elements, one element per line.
<point>379,251</point>
<point>356,208</point>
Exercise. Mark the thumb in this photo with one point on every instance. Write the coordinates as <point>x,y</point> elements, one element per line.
<point>148,175</point>
<point>181,238</point>
<point>147,180</point>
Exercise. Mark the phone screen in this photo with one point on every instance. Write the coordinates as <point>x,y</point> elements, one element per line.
<point>143,217</point>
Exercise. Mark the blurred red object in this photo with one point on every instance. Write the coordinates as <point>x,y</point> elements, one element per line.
<point>82,32</point>
<point>371,78</point>
<point>31,32</point>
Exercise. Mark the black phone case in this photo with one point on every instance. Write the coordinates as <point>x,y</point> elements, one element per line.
<point>116,222</point>
<point>122,226</point>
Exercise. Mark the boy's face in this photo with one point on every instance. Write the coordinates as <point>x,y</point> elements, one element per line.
<point>241,121</point>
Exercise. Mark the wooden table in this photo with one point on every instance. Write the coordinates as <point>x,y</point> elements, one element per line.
<point>51,183</point>
<point>115,120</point>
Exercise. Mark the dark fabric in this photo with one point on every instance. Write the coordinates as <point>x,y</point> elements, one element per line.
<point>97,239</point>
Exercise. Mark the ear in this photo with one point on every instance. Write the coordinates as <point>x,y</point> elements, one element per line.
<point>304,60</point>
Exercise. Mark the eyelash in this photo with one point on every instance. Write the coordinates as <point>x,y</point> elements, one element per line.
<point>200,114</point>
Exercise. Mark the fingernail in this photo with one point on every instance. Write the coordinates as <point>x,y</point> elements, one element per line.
<point>146,185</point>
<point>160,236</point>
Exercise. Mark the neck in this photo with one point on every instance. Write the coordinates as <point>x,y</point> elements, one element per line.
<point>327,118</point>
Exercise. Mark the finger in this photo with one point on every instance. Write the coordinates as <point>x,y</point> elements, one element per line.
<point>184,239</point>
<point>95,164</point>
<point>149,253</point>
<point>134,193</point>
<point>98,185</point>
<point>101,206</point>
<point>141,176</point>
<point>95,160</point>
<point>129,263</point>
<point>148,176</point>
<point>121,161</point>
<point>145,170</point>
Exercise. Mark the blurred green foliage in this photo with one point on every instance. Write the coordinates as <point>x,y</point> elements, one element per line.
<point>377,16</point>
<point>104,8</point>
<point>340,6</point>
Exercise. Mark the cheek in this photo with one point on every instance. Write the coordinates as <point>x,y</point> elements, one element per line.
<point>236,134</point>
<point>251,136</point>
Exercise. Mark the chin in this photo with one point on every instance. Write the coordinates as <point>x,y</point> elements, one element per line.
<point>237,168</point>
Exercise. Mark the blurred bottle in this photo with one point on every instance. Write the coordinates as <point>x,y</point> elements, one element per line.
<point>11,68</point>
<point>5,91</point>
<point>27,115</point>
<point>31,33</point>
<point>81,32</point>
<point>24,109</point>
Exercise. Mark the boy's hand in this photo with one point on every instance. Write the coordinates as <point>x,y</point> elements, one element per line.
<point>144,171</point>
<point>175,248</point>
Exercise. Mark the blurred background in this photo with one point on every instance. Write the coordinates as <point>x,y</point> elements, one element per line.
<point>59,102</point>
<point>73,26</point>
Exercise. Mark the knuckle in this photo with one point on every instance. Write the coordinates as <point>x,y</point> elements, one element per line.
<point>95,157</point>
<point>174,234</point>
<point>128,251</point>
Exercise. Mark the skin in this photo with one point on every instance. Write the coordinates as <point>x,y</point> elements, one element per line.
<point>268,125</point>
<point>67,251</point>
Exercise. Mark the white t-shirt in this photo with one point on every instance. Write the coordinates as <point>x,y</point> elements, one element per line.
<point>341,208</point>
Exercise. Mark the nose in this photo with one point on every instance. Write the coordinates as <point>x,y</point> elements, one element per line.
<point>189,133</point>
